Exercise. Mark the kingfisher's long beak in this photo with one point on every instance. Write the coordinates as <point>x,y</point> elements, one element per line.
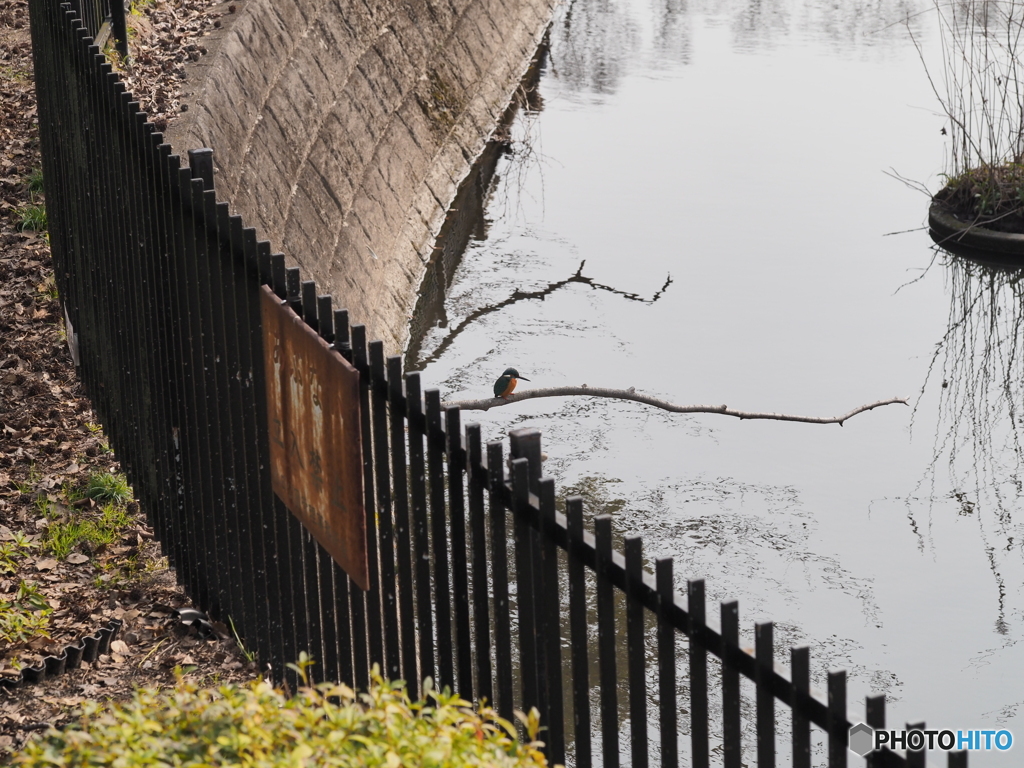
<point>522,378</point>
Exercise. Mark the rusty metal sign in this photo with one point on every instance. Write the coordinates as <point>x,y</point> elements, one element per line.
<point>316,461</point>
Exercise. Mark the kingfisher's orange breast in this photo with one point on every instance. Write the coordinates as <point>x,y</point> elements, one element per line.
<point>509,388</point>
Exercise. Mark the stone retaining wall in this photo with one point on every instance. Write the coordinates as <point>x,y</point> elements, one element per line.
<point>342,128</point>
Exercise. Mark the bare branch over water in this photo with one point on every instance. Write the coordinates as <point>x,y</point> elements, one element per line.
<point>486,404</point>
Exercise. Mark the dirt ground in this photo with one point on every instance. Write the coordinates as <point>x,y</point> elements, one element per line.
<point>75,550</point>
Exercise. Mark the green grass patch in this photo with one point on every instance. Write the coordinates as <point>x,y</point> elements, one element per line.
<point>35,182</point>
<point>63,537</point>
<point>33,217</point>
<point>26,616</point>
<point>258,725</point>
<point>12,551</point>
<point>107,487</point>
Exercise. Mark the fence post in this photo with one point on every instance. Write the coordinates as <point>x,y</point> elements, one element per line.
<point>457,537</point>
<point>549,609</point>
<point>478,547</point>
<point>800,668</point>
<point>837,733</point>
<point>698,674</point>
<point>916,758</point>
<point>875,717</point>
<point>525,444</point>
<point>579,638</point>
<point>499,577</point>
<point>606,642</point>
<point>119,27</point>
<point>529,654</point>
<point>764,650</point>
<point>731,733</point>
<point>420,527</point>
<point>636,652</point>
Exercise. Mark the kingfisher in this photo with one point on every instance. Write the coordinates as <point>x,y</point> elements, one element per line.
<point>507,382</point>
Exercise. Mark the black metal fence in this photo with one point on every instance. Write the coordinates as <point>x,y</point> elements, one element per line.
<point>475,579</point>
<point>104,19</point>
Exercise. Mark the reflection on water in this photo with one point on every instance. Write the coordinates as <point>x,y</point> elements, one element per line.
<point>577,278</point>
<point>601,41</point>
<point>597,40</point>
<point>980,359</point>
<point>467,216</point>
<point>978,366</point>
<point>698,211</point>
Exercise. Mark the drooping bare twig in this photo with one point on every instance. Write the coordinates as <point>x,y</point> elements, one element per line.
<point>631,394</point>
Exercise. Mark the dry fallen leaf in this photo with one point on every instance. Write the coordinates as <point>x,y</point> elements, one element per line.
<point>77,558</point>
<point>120,646</point>
<point>46,565</point>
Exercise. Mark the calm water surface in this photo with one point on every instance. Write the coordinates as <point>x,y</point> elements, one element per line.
<point>721,172</point>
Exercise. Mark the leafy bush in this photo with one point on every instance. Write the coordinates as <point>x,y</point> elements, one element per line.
<point>257,725</point>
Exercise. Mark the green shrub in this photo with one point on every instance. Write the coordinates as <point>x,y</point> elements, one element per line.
<point>257,725</point>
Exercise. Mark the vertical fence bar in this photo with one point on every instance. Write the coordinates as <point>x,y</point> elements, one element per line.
<point>524,580</point>
<point>209,467</point>
<point>189,446</point>
<point>606,642</point>
<point>499,576</point>
<point>358,641</point>
<point>460,565</point>
<point>208,302</point>
<point>731,734</point>
<point>119,27</point>
<point>800,665</point>
<point>242,278</point>
<point>282,526</point>
<point>302,299</point>
<point>265,570</point>
<point>698,674</point>
<point>667,718</point>
<point>525,444</point>
<point>636,651</point>
<point>874,707</point>
<point>403,540</point>
<point>916,758</point>
<point>439,538</point>
<point>334,590</point>
<point>420,526</point>
<point>837,733</point>
<point>477,475</point>
<point>764,650</point>
<point>374,632</point>
<point>551,636</point>
<point>579,638</point>
<point>392,667</point>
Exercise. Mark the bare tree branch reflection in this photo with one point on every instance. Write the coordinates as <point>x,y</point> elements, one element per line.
<point>540,295</point>
<point>978,365</point>
<point>980,359</point>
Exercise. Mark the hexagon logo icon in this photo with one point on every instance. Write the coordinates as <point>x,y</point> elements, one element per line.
<point>862,739</point>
